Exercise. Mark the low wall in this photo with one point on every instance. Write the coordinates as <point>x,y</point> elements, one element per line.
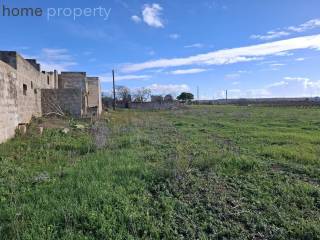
<point>68,100</point>
<point>155,106</point>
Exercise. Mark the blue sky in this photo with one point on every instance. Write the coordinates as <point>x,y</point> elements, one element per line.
<point>252,48</point>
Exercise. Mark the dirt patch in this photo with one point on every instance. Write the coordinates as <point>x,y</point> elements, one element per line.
<point>53,123</point>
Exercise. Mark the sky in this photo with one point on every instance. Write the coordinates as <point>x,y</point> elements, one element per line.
<point>252,48</point>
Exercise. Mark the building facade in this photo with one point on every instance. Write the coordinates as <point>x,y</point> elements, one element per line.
<point>26,92</point>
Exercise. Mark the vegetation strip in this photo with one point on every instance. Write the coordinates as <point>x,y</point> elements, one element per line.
<point>219,172</point>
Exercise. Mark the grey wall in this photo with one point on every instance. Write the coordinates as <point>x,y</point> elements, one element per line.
<point>69,100</point>
<point>72,80</point>
<point>8,102</point>
<point>155,106</point>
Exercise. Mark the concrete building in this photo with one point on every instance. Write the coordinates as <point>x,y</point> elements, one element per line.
<point>26,92</point>
<point>77,95</point>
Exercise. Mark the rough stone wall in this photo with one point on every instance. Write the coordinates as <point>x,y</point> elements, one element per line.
<point>49,80</point>
<point>8,102</point>
<point>29,84</point>
<point>93,91</point>
<point>94,95</point>
<point>20,91</point>
<point>68,100</point>
<point>76,80</point>
<point>72,80</point>
<point>100,108</point>
<point>25,92</point>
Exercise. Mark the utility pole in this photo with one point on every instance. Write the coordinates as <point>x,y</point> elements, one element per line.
<point>226,96</point>
<point>114,92</point>
<point>198,97</point>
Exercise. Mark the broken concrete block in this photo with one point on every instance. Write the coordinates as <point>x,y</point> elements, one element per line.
<point>80,126</point>
<point>66,130</point>
<point>40,131</point>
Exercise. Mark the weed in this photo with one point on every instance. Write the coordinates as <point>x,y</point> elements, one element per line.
<point>203,172</point>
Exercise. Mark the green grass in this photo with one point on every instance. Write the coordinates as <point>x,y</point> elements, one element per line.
<point>206,172</point>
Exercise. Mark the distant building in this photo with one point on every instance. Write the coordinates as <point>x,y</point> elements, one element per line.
<point>26,91</point>
<point>156,99</point>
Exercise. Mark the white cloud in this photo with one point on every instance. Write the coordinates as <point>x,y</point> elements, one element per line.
<point>283,54</point>
<point>151,15</point>
<point>174,36</point>
<point>195,45</point>
<point>300,59</point>
<point>288,87</point>
<point>277,84</point>
<point>275,65</point>
<point>55,59</point>
<point>249,93</point>
<point>270,35</point>
<point>243,71</point>
<point>236,75</point>
<point>305,81</point>
<point>296,87</point>
<point>235,55</point>
<point>187,71</point>
<point>232,76</point>
<point>296,79</point>
<point>168,89</point>
<point>314,23</point>
<point>136,19</point>
<point>108,78</point>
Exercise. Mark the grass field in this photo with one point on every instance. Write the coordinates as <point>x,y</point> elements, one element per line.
<point>204,172</point>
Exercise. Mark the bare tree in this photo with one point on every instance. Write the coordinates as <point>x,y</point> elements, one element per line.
<point>123,93</point>
<point>142,95</point>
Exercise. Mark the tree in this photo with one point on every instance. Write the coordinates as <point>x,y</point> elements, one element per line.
<point>142,94</point>
<point>168,98</point>
<point>185,97</point>
<point>123,94</point>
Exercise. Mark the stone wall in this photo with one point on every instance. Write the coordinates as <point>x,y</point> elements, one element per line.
<point>67,100</point>
<point>72,80</point>
<point>94,94</point>
<point>154,105</point>
<point>93,91</point>
<point>90,86</point>
<point>29,83</point>
<point>20,87</point>
<point>26,92</point>
<point>8,102</point>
